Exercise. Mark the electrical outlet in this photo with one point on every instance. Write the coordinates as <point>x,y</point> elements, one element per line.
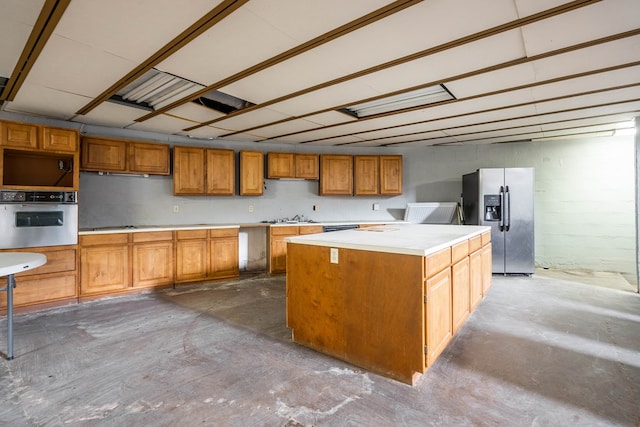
<point>316,208</point>
<point>250,208</point>
<point>176,208</point>
<point>334,255</point>
<point>376,206</point>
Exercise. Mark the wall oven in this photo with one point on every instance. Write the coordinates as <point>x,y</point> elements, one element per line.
<point>38,218</point>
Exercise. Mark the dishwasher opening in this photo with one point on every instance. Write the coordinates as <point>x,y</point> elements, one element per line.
<point>327,228</point>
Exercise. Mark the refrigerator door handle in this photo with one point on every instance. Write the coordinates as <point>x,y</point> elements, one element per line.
<point>507,222</point>
<point>501,223</point>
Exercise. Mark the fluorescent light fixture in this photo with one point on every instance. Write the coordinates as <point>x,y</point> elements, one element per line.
<point>415,98</point>
<point>155,89</point>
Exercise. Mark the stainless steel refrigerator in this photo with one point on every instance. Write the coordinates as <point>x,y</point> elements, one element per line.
<point>502,198</point>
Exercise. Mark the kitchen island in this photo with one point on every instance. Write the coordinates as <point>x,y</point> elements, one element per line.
<point>389,298</point>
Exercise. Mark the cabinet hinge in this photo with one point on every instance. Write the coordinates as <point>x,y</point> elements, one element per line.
<point>425,298</point>
<point>426,349</point>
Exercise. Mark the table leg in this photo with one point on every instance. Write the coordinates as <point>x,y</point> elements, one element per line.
<point>11,283</point>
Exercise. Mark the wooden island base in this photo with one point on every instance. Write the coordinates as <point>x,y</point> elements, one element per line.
<point>390,313</point>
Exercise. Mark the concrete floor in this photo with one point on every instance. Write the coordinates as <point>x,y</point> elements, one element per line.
<point>538,351</point>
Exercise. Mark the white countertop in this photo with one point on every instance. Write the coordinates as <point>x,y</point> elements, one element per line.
<point>408,239</point>
<point>147,228</point>
<point>15,262</point>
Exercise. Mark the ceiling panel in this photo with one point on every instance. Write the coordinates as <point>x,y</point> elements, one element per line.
<point>194,112</point>
<point>162,123</point>
<point>305,19</point>
<point>129,29</point>
<point>581,25</point>
<point>110,114</point>
<point>252,119</point>
<point>205,133</point>
<point>47,102</point>
<point>16,22</point>
<point>75,67</point>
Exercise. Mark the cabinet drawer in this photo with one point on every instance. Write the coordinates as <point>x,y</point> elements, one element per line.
<point>104,239</point>
<point>284,231</point>
<point>310,229</point>
<point>191,234</point>
<point>223,232</point>
<point>486,238</point>
<point>475,243</point>
<point>57,261</point>
<point>459,251</point>
<point>38,290</point>
<point>437,262</point>
<point>152,236</point>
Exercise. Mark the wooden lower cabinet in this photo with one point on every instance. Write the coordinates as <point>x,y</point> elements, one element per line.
<point>487,268</point>
<point>460,279</point>
<point>152,258</point>
<point>206,254</point>
<point>439,327</point>
<point>475,279</point>
<point>123,262</point>
<point>50,284</point>
<point>191,255</point>
<point>104,263</point>
<point>278,247</point>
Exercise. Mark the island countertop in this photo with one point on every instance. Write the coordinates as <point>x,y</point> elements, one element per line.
<point>407,239</point>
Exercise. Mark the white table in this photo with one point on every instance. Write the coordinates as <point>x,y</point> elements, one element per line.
<point>10,264</point>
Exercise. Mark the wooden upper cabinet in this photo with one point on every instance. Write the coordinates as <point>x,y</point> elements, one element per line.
<point>307,166</point>
<point>27,136</point>
<point>188,170</point>
<point>251,173</point>
<point>56,139</point>
<point>123,156</point>
<point>101,154</point>
<point>336,175</point>
<point>391,175</point>
<point>221,172</point>
<point>290,165</point>
<point>149,158</point>
<point>19,135</point>
<point>367,175</point>
<point>281,165</point>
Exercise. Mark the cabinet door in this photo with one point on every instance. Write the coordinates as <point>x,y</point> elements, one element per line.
<point>475,279</point>
<point>55,139</point>
<point>280,165</point>
<point>104,269</point>
<point>54,281</point>
<point>367,181</point>
<point>19,135</point>
<point>336,175</point>
<point>224,256</point>
<point>251,173</point>
<point>149,158</point>
<point>97,154</point>
<point>439,321</point>
<point>460,292</point>
<point>153,264</point>
<point>278,255</point>
<point>307,166</point>
<point>390,175</point>
<point>191,260</point>
<point>188,170</point>
<point>487,268</point>
<point>221,172</point>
